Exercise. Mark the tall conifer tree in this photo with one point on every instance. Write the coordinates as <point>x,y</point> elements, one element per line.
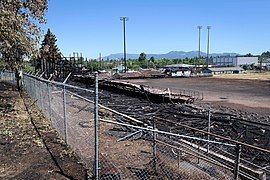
<point>49,54</point>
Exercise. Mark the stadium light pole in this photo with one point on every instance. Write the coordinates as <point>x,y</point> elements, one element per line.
<point>199,53</point>
<point>208,43</point>
<point>124,19</point>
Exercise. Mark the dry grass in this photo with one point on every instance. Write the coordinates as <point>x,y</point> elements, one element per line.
<point>264,76</point>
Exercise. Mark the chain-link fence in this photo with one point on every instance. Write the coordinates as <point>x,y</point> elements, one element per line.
<point>122,147</point>
<point>71,116</point>
<point>7,76</point>
<point>132,152</point>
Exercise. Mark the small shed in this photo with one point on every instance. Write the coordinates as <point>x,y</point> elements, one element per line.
<point>119,69</point>
<point>178,70</point>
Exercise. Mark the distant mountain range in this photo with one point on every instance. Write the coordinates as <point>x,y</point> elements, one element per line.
<point>169,55</point>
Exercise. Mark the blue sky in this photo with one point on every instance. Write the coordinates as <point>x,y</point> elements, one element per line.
<point>159,26</point>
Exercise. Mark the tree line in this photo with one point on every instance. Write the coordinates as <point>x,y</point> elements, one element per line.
<point>20,23</point>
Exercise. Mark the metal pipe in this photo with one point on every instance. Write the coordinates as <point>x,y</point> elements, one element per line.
<point>208,130</point>
<point>154,146</point>
<point>208,42</point>
<point>125,55</point>
<point>41,94</point>
<point>96,129</point>
<point>237,161</point>
<point>179,158</point>
<point>65,81</point>
<point>199,53</point>
<point>58,83</point>
<point>167,133</point>
<point>64,109</point>
<point>124,19</point>
<point>49,96</point>
<point>35,90</point>
<point>219,136</point>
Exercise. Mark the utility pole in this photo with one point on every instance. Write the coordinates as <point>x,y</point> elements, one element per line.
<point>100,61</point>
<point>124,19</point>
<point>199,53</point>
<point>74,61</point>
<point>208,41</point>
<point>96,118</point>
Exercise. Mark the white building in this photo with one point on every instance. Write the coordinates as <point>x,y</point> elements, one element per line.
<point>266,64</point>
<point>234,60</point>
<point>247,60</point>
<point>178,70</point>
<point>225,70</point>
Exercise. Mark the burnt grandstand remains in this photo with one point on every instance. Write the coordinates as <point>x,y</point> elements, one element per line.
<point>181,118</point>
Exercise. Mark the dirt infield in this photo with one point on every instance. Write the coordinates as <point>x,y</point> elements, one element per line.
<point>264,76</point>
<point>251,95</point>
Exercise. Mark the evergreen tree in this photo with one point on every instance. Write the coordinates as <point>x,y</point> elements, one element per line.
<point>152,59</point>
<point>265,54</point>
<point>49,54</point>
<point>142,57</point>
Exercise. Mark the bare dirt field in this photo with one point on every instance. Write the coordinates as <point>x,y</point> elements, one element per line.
<point>31,148</point>
<point>264,76</point>
<point>247,94</point>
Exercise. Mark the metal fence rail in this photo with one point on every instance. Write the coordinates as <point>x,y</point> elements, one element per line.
<point>116,146</point>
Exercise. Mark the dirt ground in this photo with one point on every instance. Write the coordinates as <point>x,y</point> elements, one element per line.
<point>247,94</point>
<point>31,148</point>
<point>264,76</point>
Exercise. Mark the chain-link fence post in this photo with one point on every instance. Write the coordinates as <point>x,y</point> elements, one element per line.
<point>49,97</point>
<point>237,161</point>
<point>35,90</point>
<point>65,108</point>
<point>198,149</point>
<point>96,128</point>
<point>65,112</point>
<point>208,130</point>
<point>41,94</point>
<point>32,88</point>
<point>154,147</point>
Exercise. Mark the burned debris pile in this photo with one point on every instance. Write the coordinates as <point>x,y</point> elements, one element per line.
<point>149,93</point>
<point>190,119</point>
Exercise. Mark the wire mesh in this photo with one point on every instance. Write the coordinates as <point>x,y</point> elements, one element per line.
<point>135,153</point>
<point>8,76</point>
<point>70,115</point>
<point>80,128</point>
